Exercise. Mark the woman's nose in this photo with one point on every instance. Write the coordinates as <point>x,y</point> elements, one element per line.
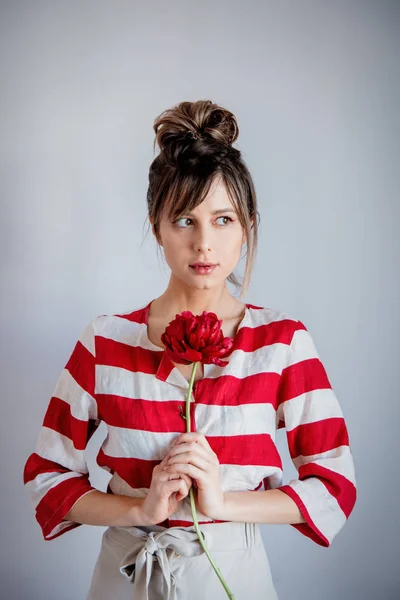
<point>202,242</point>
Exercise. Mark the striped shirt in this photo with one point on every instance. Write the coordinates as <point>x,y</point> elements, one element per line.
<point>274,379</point>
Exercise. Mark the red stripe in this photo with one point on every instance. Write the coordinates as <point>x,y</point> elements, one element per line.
<point>338,485</point>
<point>58,417</point>
<point>81,365</point>
<point>248,450</point>
<point>146,415</point>
<point>59,500</point>
<point>135,471</point>
<point>250,339</point>
<point>302,377</point>
<point>228,390</point>
<point>317,437</point>
<point>132,358</point>
<point>136,316</point>
<point>36,465</point>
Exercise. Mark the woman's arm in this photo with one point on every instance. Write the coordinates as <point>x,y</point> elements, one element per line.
<point>267,506</point>
<point>99,508</point>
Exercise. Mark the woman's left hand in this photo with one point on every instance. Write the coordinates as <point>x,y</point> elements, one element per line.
<point>190,453</point>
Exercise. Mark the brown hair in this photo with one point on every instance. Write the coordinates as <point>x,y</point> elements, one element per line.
<point>195,141</point>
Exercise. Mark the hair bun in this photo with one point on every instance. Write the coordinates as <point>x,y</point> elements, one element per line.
<point>188,122</point>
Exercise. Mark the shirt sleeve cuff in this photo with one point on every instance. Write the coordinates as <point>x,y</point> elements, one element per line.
<point>308,528</point>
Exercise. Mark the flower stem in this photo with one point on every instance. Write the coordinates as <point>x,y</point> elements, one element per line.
<point>191,495</point>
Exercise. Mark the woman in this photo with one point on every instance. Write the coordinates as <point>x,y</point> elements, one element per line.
<point>202,209</point>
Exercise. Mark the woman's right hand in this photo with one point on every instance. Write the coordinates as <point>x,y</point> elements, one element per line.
<point>164,496</point>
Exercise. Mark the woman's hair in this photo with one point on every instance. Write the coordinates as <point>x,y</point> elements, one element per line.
<point>195,141</point>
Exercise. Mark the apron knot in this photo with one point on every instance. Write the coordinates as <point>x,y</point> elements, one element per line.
<point>138,563</point>
<point>151,545</point>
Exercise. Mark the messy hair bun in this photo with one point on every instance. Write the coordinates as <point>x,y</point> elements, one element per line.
<point>202,123</point>
<point>195,141</point>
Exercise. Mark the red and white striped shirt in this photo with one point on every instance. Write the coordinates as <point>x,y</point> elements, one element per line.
<point>273,379</point>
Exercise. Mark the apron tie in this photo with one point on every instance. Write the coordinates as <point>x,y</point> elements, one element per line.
<point>137,564</point>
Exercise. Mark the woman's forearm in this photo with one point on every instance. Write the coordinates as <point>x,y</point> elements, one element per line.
<point>99,508</point>
<point>267,506</point>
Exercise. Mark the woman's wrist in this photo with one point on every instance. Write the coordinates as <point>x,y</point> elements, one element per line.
<point>137,515</point>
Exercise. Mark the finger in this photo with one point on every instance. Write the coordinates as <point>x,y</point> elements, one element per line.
<point>176,485</point>
<point>187,479</point>
<point>176,476</point>
<point>179,487</point>
<point>183,491</point>
<point>188,469</point>
<point>195,449</point>
<point>194,436</point>
<point>190,458</point>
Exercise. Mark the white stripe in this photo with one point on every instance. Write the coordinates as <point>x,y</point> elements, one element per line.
<point>339,460</point>
<point>124,331</point>
<point>83,405</point>
<point>243,419</point>
<point>310,407</point>
<point>145,386</point>
<point>239,478</point>
<point>144,445</point>
<point>87,338</point>
<point>301,348</point>
<point>241,364</point>
<point>58,448</point>
<point>44,482</point>
<point>322,507</point>
<point>266,316</point>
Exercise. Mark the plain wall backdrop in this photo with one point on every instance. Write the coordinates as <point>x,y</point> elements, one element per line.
<point>315,88</point>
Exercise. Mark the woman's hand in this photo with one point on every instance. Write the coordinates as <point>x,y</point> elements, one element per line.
<point>164,496</point>
<point>192,455</point>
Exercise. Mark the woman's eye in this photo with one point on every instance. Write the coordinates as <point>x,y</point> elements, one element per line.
<point>185,219</point>
<point>229,219</point>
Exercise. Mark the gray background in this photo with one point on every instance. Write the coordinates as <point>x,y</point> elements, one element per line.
<point>315,87</point>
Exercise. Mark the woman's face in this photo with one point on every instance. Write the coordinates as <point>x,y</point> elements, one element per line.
<point>211,234</point>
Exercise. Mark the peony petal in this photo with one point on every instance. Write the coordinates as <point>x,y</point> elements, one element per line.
<point>193,355</point>
<point>176,357</point>
<point>219,362</point>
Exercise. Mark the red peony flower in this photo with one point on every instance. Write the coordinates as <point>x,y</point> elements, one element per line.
<point>191,339</point>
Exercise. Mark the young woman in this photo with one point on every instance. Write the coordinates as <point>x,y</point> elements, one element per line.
<point>203,212</point>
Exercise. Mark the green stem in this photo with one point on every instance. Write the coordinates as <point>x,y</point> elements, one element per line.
<point>191,495</point>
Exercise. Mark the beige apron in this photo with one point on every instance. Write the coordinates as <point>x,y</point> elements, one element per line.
<point>159,563</point>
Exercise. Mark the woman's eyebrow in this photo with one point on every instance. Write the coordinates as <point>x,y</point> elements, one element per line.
<point>216,212</point>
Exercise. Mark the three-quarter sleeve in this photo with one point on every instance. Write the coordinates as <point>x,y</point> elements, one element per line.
<point>56,473</point>
<point>318,442</point>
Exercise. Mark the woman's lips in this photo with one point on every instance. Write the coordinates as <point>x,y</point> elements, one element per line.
<point>203,270</point>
